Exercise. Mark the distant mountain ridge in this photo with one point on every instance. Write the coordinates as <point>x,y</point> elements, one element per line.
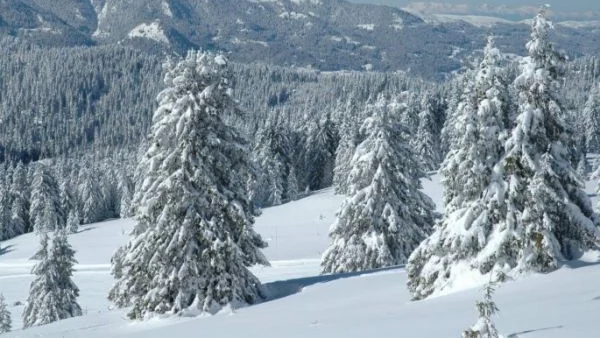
<point>322,34</point>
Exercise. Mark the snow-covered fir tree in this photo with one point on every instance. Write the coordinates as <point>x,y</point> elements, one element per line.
<point>534,212</point>
<point>63,260</point>
<point>349,139</point>
<point>52,294</point>
<point>426,140</point>
<point>45,195</point>
<point>7,229</point>
<point>272,160</point>
<point>319,151</point>
<point>385,216</point>
<point>292,185</point>
<point>194,236</point>
<point>19,191</point>
<point>73,221</point>
<point>591,116</point>
<point>42,304</point>
<point>91,202</point>
<point>480,124</point>
<point>67,200</point>
<point>5,318</point>
<point>486,308</point>
<point>125,187</point>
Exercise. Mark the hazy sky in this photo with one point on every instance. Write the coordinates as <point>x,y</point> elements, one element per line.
<point>585,9</point>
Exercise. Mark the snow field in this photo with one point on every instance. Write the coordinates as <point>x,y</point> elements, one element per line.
<point>304,304</point>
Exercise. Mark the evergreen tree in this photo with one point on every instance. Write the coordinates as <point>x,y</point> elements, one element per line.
<point>20,200</point>
<point>194,236</point>
<point>91,201</point>
<point>7,229</point>
<point>292,185</point>
<point>426,140</point>
<point>43,301</point>
<point>45,198</point>
<point>125,194</point>
<point>73,221</point>
<point>63,260</point>
<point>273,160</point>
<point>67,201</point>
<point>319,157</point>
<point>481,121</point>
<point>591,116</point>
<point>349,139</point>
<point>385,215</point>
<point>5,319</point>
<point>52,294</point>
<point>485,328</point>
<point>534,212</point>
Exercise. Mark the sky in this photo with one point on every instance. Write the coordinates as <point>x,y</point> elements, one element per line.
<point>512,9</point>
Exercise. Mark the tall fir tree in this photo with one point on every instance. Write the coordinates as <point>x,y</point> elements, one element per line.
<point>349,139</point>
<point>591,116</point>
<point>42,304</point>
<point>52,294</point>
<point>45,195</point>
<point>19,190</point>
<point>481,123</point>
<point>385,216</point>
<point>73,221</point>
<point>63,260</point>
<point>319,151</point>
<point>426,141</point>
<point>91,202</point>
<point>194,236</point>
<point>534,213</point>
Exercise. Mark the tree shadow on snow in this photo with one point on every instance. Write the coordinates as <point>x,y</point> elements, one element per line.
<point>280,289</point>
<point>6,249</point>
<point>577,264</point>
<point>86,229</point>
<point>518,334</point>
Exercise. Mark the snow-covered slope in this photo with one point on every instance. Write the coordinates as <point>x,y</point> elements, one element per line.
<point>304,304</point>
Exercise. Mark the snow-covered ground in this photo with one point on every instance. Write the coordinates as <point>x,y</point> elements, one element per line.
<point>565,303</point>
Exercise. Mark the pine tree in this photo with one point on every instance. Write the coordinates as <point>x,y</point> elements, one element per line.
<point>319,156</point>
<point>385,215</point>
<point>545,192</point>
<point>272,157</point>
<point>5,319</point>
<point>426,140</point>
<point>349,139</point>
<point>481,121</point>
<point>533,213</point>
<point>591,116</point>
<point>485,328</point>
<point>20,200</point>
<point>126,189</point>
<point>63,260</point>
<point>52,294</point>
<point>292,185</point>
<point>67,201</point>
<point>73,221</point>
<point>194,237</point>
<point>7,229</point>
<point>43,301</point>
<point>44,194</point>
<point>91,201</point>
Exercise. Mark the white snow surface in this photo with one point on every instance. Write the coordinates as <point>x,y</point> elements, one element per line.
<point>301,303</point>
<point>151,31</point>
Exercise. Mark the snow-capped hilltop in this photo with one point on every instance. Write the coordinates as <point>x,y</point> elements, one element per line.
<point>289,32</point>
<point>152,31</point>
